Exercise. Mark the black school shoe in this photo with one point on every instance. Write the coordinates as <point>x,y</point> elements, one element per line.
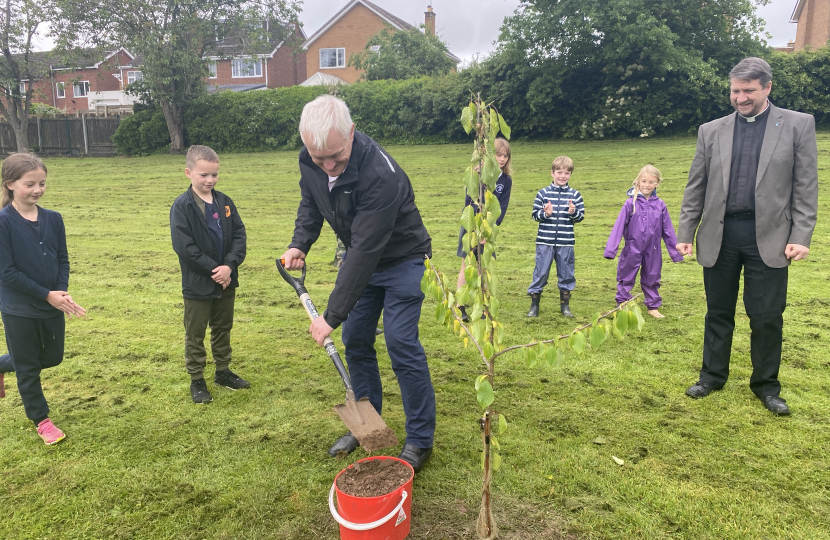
<point>417,457</point>
<point>199,391</point>
<point>231,380</point>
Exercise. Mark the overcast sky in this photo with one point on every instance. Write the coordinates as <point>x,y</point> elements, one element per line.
<point>465,38</point>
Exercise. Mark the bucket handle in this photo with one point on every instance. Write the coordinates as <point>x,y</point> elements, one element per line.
<point>363,526</point>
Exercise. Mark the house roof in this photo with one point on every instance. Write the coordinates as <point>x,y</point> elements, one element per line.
<point>231,46</point>
<point>799,5</point>
<point>323,79</point>
<point>396,22</point>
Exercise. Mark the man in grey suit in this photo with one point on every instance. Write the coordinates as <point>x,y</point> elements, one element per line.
<point>752,196</point>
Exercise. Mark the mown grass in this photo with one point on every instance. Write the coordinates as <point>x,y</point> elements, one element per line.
<point>143,462</point>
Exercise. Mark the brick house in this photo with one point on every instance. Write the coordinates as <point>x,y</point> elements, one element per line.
<point>813,20</point>
<point>273,64</point>
<point>329,48</point>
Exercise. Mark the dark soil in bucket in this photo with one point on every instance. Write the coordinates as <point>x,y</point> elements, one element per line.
<point>373,478</point>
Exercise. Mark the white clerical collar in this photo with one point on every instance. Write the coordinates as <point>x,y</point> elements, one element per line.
<point>753,118</point>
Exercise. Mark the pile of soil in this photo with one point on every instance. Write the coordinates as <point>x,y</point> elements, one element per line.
<point>373,478</point>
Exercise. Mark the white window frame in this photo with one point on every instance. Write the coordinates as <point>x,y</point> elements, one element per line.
<point>213,70</point>
<point>340,57</point>
<point>133,75</point>
<point>237,64</point>
<point>84,85</point>
<point>22,88</point>
<point>60,90</point>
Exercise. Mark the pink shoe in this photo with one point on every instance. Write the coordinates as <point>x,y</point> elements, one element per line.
<point>49,432</point>
<point>2,388</point>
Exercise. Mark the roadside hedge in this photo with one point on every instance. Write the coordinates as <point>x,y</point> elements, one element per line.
<point>425,110</point>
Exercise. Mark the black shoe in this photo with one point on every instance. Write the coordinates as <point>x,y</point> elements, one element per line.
<point>534,305</point>
<point>564,300</point>
<point>464,317</point>
<point>347,443</point>
<point>231,380</point>
<point>700,390</point>
<point>417,457</point>
<point>199,391</point>
<point>776,405</point>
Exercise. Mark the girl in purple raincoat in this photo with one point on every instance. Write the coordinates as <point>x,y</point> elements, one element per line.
<point>643,221</point>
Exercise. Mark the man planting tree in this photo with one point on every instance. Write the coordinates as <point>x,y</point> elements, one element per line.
<point>348,180</point>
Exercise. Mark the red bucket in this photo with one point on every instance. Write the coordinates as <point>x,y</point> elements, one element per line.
<point>373,518</point>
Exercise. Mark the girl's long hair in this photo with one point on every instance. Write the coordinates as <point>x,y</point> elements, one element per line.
<point>503,147</point>
<point>14,167</point>
<point>649,171</point>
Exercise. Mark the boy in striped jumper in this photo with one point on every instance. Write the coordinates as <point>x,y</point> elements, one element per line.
<point>556,208</point>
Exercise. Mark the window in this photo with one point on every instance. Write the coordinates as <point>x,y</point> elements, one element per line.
<point>133,77</point>
<point>332,58</point>
<point>22,88</point>
<point>81,89</point>
<point>60,90</point>
<point>212,69</point>
<point>245,67</point>
<point>375,48</point>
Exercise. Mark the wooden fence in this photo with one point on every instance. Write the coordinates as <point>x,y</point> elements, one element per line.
<point>65,136</point>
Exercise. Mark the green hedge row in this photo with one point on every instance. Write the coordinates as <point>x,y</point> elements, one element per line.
<point>426,110</point>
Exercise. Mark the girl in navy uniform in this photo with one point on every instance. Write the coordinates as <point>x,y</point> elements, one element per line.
<point>502,193</point>
<point>34,276</point>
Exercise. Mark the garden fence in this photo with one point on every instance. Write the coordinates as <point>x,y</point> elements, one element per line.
<point>90,136</point>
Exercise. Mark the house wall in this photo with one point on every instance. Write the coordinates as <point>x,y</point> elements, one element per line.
<point>224,75</point>
<point>813,25</point>
<point>286,69</point>
<point>351,32</point>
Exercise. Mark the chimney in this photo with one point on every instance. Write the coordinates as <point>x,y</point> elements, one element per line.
<point>429,21</point>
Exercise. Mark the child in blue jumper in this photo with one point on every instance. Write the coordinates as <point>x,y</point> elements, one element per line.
<point>34,277</point>
<point>556,208</point>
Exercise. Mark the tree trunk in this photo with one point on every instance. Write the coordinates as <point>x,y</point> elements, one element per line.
<point>17,118</point>
<point>174,117</point>
<point>21,133</point>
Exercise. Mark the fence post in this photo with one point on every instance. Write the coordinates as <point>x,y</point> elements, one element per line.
<point>39,136</point>
<point>83,125</point>
<point>69,135</point>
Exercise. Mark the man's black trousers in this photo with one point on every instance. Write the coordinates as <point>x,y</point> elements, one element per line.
<point>765,297</point>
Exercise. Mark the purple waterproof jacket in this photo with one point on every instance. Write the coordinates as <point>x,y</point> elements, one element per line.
<point>643,231</point>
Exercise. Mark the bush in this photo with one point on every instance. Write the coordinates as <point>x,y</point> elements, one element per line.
<point>142,133</point>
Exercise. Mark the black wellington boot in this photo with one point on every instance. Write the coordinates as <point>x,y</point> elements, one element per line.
<point>534,305</point>
<point>564,299</point>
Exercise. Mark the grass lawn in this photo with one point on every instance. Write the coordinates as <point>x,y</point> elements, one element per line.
<point>143,462</point>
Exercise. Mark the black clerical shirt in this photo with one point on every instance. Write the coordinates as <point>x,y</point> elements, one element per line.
<point>746,152</point>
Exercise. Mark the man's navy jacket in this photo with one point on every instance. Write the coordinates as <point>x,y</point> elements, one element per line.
<point>371,209</point>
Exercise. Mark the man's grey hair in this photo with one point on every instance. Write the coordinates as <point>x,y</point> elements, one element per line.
<point>751,69</point>
<point>320,117</point>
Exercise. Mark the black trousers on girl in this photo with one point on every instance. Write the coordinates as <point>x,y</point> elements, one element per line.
<point>34,345</point>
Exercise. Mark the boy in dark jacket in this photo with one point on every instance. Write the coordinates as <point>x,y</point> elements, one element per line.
<point>209,238</point>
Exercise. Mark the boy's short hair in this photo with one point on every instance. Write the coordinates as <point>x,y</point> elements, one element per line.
<point>562,162</point>
<point>197,152</point>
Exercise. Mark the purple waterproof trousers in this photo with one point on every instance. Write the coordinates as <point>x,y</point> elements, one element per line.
<point>642,231</point>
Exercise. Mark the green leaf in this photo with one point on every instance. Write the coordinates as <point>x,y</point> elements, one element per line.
<point>485,395</point>
<point>494,125</point>
<point>496,461</point>
<point>530,356</point>
<point>560,359</point>
<point>425,282</point>
<point>466,119</point>
<point>597,336</point>
<point>618,461</point>
<point>488,349</point>
<point>471,275</point>
<point>468,218</point>
<point>473,112</point>
<point>550,356</point>
<point>502,424</point>
<point>640,321</point>
<point>479,380</point>
<point>621,322</point>
<point>579,342</point>
<point>505,129</point>
<point>491,203</point>
<point>595,320</point>
<point>494,443</point>
<point>490,173</point>
<point>478,309</point>
<point>478,329</point>
<point>632,320</point>
<point>471,183</point>
<point>450,299</point>
<point>494,302</point>
<point>439,313</point>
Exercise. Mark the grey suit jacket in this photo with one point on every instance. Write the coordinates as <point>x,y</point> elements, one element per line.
<point>786,188</point>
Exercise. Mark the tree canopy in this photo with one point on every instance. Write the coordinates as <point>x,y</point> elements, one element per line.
<point>402,54</point>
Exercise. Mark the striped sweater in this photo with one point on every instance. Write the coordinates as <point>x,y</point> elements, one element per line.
<point>558,228</point>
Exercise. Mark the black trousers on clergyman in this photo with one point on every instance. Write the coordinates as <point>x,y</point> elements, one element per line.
<point>765,297</point>
<point>34,345</point>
